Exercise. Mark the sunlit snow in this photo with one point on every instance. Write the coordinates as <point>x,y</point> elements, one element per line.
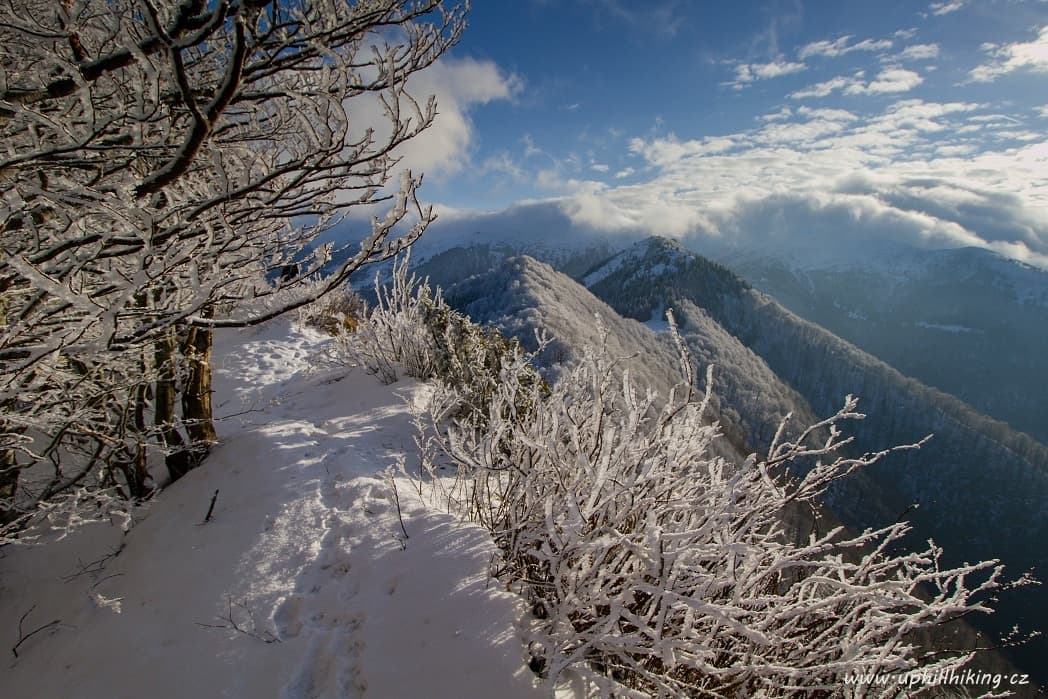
<point>305,554</point>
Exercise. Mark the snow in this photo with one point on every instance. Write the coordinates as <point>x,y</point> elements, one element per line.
<point>658,321</point>
<point>949,328</point>
<point>634,255</point>
<point>606,270</point>
<point>304,553</point>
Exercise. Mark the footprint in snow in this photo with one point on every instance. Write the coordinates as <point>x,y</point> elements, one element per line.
<point>288,617</point>
<point>335,563</point>
<point>330,667</point>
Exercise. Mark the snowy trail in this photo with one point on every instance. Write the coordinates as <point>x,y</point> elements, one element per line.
<point>305,551</point>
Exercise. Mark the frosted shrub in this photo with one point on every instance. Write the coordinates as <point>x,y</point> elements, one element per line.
<point>412,328</point>
<point>655,567</point>
<point>335,313</point>
<point>97,462</point>
<point>395,331</point>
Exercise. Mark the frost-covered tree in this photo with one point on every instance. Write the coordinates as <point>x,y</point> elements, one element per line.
<point>167,168</point>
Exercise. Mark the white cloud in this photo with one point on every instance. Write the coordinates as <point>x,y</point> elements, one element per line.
<point>831,177</point>
<point>599,167</point>
<point>502,164</point>
<point>995,119</point>
<point>919,52</point>
<point>956,150</point>
<point>825,48</point>
<point>624,173</point>
<point>842,115</point>
<point>804,132</point>
<point>888,80</point>
<point>530,149</point>
<point>822,89</point>
<point>928,117</point>
<point>631,211</point>
<point>783,113</point>
<point>871,45</point>
<point>670,149</point>
<point>841,46</point>
<point>459,85</point>
<point>764,71</point>
<point>1008,58</point>
<point>945,8</point>
<point>747,73</point>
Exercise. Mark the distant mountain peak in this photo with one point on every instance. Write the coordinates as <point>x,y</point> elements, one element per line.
<point>658,273</point>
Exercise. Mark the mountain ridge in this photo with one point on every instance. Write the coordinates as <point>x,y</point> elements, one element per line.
<point>974,512</point>
<point>753,390</point>
<point>966,320</point>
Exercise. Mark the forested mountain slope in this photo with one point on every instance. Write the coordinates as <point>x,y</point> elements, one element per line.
<point>522,296</point>
<point>967,321</point>
<point>982,488</point>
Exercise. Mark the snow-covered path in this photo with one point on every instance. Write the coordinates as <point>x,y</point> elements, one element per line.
<point>305,555</point>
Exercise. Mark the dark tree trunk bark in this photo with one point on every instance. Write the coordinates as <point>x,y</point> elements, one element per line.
<point>197,416</point>
<point>8,484</point>
<point>176,458</point>
<point>137,472</point>
<point>196,397</point>
<point>8,465</point>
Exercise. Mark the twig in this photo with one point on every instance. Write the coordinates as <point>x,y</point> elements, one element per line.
<point>23,637</point>
<point>99,582</point>
<point>95,566</point>
<point>396,501</point>
<point>246,411</point>
<point>232,625</point>
<point>211,508</point>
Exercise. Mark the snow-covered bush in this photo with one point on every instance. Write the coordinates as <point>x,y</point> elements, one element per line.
<point>336,313</point>
<point>395,332</point>
<point>83,455</point>
<point>414,330</point>
<point>656,567</point>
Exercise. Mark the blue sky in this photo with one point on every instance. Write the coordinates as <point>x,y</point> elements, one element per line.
<point>924,122</point>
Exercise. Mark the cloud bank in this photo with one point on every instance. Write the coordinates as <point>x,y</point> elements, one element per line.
<point>848,163</point>
<point>809,178</point>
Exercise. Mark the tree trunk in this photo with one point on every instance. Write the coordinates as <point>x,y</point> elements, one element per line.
<point>8,484</point>
<point>196,394</point>
<point>137,472</point>
<point>8,467</point>
<point>197,417</point>
<point>175,458</point>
